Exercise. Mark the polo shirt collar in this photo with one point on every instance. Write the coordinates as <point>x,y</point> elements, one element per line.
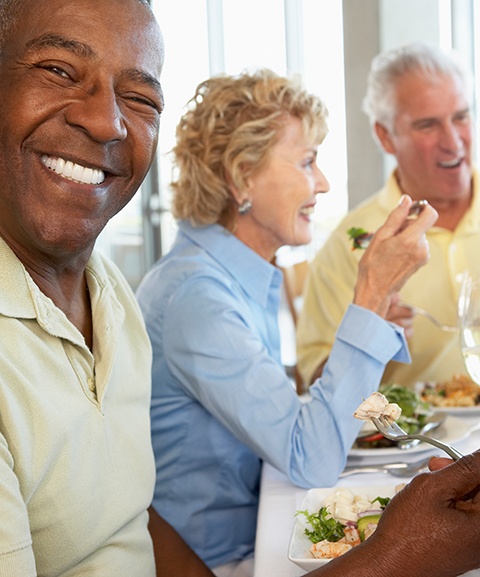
<point>21,298</point>
<point>470,223</point>
<point>15,294</point>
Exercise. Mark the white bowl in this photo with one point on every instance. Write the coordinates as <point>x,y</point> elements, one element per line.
<point>299,547</point>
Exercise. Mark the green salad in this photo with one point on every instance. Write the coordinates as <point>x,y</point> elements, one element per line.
<point>323,526</point>
<point>344,521</point>
<point>360,237</point>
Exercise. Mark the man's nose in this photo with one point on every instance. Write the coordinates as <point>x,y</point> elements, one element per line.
<point>451,138</point>
<point>97,113</point>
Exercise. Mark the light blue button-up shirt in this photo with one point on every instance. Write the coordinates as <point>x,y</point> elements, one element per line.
<point>221,401</point>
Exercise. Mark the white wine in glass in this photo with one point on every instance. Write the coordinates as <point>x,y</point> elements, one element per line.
<point>469,323</point>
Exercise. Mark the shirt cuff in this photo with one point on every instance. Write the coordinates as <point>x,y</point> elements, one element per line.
<point>380,339</point>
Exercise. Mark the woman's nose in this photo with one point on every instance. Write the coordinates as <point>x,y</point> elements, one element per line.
<point>321,183</point>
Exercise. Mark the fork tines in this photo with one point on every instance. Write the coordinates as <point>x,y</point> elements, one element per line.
<point>382,421</point>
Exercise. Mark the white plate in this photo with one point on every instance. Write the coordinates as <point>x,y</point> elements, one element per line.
<point>299,547</point>
<point>452,431</point>
<point>459,411</point>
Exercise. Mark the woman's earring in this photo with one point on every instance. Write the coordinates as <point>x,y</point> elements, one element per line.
<point>245,206</point>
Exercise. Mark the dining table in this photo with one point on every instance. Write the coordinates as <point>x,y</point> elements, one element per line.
<point>280,500</point>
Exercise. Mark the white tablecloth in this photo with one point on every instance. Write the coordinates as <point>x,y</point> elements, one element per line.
<point>279,500</point>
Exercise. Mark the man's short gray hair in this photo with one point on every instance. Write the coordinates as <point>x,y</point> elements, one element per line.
<point>388,67</point>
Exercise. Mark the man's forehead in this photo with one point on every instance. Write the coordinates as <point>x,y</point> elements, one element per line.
<point>59,16</point>
<point>106,31</point>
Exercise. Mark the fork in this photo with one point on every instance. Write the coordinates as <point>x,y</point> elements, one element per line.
<point>427,315</point>
<point>393,431</point>
<point>431,423</point>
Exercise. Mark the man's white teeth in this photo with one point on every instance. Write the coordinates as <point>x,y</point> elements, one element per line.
<point>450,163</point>
<point>73,171</point>
<point>307,210</point>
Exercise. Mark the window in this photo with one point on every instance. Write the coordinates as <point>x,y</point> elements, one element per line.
<point>205,37</point>
<point>288,36</point>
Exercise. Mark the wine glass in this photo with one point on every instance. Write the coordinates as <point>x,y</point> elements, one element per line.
<point>469,324</point>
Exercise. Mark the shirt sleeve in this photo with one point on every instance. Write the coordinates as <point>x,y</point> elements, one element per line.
<point>328,293</point>
<point>16,553</point>
<point>217,357</point>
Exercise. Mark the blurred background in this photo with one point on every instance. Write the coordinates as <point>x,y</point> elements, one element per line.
<point>330,43</point>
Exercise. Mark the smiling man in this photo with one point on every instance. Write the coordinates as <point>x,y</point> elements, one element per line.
<point>419,104</point>
<point>79,117</point>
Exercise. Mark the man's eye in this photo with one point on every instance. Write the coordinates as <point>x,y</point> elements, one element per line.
<point>143,101</point>
<point>464,117</point>
<point>56,70</point>
<point>425,125</point>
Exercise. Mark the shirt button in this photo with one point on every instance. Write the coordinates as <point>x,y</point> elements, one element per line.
<point>91,385</point>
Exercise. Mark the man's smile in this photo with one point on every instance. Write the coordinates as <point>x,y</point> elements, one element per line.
<point>451,163</point>
<point>73,171</point>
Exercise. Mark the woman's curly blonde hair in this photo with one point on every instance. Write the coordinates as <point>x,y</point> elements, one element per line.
<point>230,126</point>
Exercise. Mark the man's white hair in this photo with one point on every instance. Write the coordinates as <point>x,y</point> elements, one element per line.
<point>390,66</point>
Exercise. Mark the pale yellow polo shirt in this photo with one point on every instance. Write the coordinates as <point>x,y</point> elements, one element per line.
<point>76,465</point>
<point>435,287</point>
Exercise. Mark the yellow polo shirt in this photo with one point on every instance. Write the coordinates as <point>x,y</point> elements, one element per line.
<point>76,465</point>
<point>435,287</point>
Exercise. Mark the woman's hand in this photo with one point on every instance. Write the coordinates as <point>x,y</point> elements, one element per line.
<point>397,250</point>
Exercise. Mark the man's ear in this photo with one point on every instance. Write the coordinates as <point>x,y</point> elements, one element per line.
<point>383,135</point>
